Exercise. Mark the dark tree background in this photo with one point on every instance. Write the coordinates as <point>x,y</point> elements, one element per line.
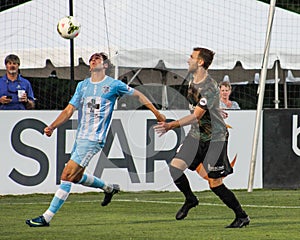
<point>6,4</point>
<point>292,5</point>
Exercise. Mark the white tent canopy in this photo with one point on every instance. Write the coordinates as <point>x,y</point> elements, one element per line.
<point>140,33</point>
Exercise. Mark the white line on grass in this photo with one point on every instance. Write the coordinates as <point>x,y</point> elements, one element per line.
<point>159,202</point>
<point>207,204</point>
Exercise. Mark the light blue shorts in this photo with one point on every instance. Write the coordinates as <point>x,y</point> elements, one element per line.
<point>84,150</point>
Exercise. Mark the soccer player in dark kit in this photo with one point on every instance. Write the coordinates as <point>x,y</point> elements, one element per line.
<point>206,142</point>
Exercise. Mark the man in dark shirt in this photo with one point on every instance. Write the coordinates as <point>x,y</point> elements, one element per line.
<point>206,142</point>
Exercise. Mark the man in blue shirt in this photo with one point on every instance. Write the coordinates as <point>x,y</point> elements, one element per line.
<point>94,98</point>
<point>15,91</point>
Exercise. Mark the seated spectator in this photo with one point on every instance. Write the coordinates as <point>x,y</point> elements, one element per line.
<point>225,91</point>
<point>15,91</point>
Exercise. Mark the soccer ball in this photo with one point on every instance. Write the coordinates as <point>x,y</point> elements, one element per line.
<point>68,27</point>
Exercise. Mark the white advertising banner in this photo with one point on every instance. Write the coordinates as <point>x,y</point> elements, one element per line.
<point>134,156</point>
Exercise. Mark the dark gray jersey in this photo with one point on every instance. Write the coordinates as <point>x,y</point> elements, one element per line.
<point>211,127</point>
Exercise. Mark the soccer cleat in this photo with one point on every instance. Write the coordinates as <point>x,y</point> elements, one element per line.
<point>239,222</point>
<point>108,196</point>
<point>37,222</point>
<point>188,204</point>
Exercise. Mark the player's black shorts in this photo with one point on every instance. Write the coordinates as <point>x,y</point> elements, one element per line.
<point>213,155</point>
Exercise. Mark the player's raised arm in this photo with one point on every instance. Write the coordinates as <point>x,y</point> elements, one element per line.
<point>146,102</point>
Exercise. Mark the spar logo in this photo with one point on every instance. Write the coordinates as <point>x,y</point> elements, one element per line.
<point>116,130</point>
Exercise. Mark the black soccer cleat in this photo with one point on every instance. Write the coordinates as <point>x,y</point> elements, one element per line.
<point>239,222</point>
<point>37,222</point>
<point>108,196</point>
<point>188,204</point>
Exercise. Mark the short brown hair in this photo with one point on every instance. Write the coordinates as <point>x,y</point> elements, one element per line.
<point>101,54</point>
<point>206,54</point>
<point>225,84</point>
<point>104,56</point>
<point>12,58</point>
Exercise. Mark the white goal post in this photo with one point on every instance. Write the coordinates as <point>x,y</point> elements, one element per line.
<point>261,91</point>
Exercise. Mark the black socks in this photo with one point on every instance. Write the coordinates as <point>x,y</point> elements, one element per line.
<point>181,182</point>
<point>228,197</point>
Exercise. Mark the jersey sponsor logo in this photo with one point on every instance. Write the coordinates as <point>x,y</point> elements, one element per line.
<point>92,105</point>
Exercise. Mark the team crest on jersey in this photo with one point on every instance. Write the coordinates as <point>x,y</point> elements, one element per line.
<point>105,89</point>
<point>203,101</point>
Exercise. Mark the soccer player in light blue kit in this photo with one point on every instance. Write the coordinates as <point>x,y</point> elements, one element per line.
<point>94,98</point>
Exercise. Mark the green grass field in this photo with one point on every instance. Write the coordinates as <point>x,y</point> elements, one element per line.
<point>275,214</point>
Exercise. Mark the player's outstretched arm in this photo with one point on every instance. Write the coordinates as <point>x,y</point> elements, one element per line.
<point>61,119</point>
<point>146,102</point>
<point>162,127</point>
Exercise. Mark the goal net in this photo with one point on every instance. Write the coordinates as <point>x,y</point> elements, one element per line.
<point>149,42</point>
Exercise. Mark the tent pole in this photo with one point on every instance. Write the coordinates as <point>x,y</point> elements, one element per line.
<point>285,89</point>
<point>134,76</point>
<point>117,66</point>
<point>165,102</point>
<point>117,75</point>
<point>276,101</point>
<point>72,75</point>
<point>261,96</point>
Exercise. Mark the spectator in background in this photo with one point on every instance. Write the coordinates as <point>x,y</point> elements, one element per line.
<point>225,91</point>
<point>15,91</point>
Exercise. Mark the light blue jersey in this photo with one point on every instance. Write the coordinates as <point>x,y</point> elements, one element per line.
<point>234,105</point>
<point>95,103</point>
